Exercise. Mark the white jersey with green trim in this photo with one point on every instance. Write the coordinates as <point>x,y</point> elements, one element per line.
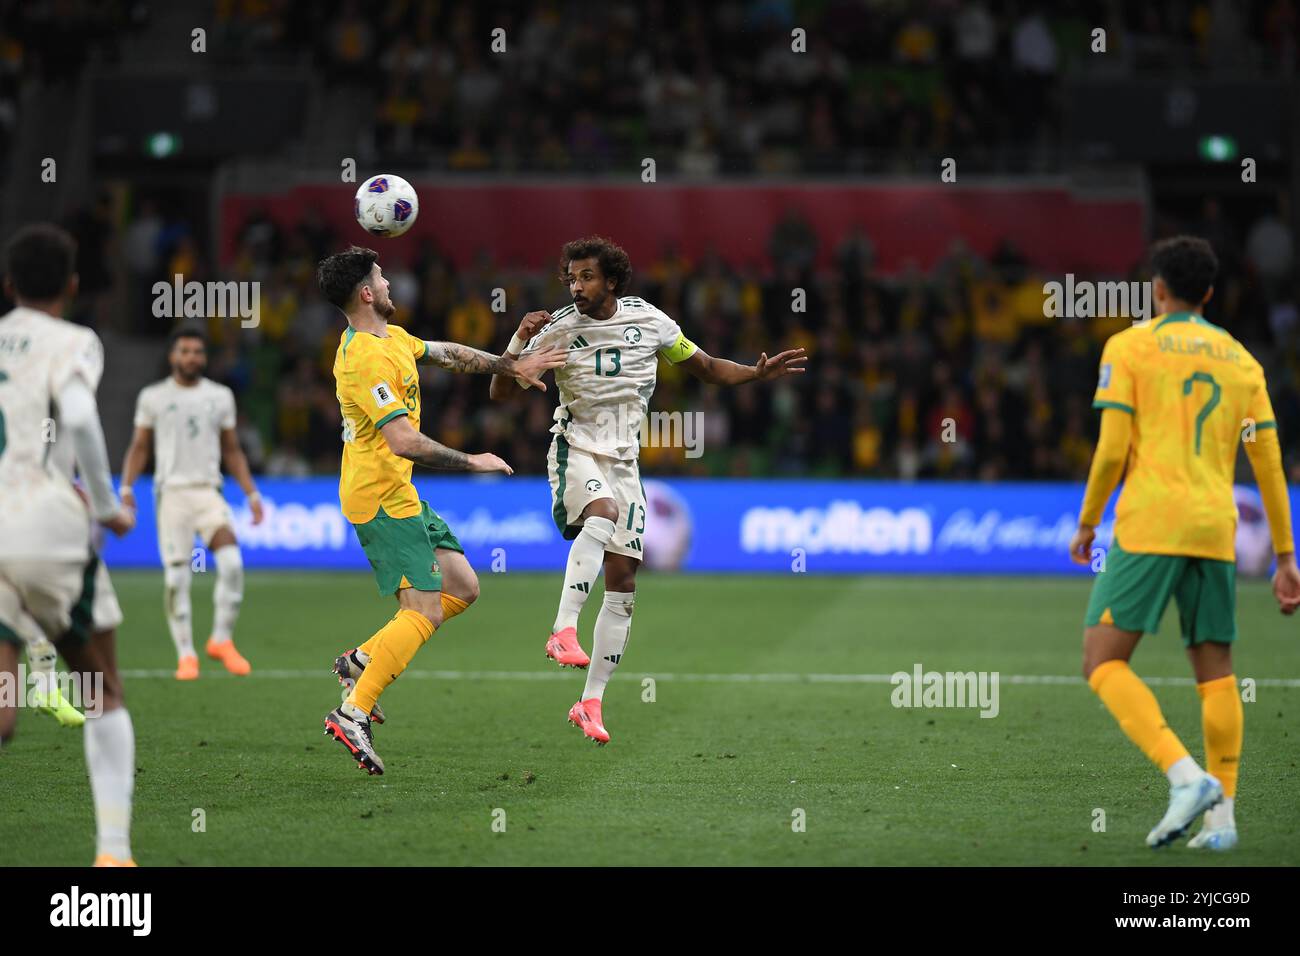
<point>606,384</point>
<point>41,515</point>
<point>187,421</point>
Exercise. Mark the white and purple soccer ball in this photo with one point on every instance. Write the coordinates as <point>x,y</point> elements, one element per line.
<point>386,205</point>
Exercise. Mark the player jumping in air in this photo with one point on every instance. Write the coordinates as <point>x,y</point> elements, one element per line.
<point>1177,395</point>
<point>412,551</point>
<point>613,342</point>
<point>49,369</point>
<point>189,422</point>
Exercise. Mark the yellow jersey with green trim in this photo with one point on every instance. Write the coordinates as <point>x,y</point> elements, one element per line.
<point>1194,393</point>
<point>376,381</point>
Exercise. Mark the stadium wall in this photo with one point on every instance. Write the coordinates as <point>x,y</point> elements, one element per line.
<point>1058,229</point>
<point>774,526</point>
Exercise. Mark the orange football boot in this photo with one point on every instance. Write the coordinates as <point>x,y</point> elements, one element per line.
<point>225,652</point>
<point>563,648</point>
<point>585,714</point>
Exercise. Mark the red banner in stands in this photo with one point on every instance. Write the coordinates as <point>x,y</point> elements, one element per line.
<point>527,224</point>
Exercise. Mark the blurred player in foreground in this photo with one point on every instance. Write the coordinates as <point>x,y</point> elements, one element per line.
<point>49,369</point>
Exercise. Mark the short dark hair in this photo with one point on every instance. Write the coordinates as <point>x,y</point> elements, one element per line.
<point>186,332</point>
<point>1187,264</point>
<point>614,262</point>
<point>40,260</point>
<point>340,274</point>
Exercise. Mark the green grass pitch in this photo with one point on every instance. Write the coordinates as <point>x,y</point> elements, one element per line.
<point>713,771</point>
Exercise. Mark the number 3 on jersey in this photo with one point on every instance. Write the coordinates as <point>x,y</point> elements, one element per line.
<point>1209,406</point>
<point>615,357</point>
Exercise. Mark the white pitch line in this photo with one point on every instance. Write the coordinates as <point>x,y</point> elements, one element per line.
<point>1034,679</point>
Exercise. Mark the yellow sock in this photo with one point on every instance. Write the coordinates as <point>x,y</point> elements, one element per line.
<point>1131,703</point>
<point>451,606</point>
<point>368,648</point>
<point>391,650</point>
<point>1222,722</point>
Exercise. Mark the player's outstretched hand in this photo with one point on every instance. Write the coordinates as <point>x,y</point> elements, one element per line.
<point>122,522</point>
<point>1081,544</point>
<point>783,363</point>
<point>531,367</point>
<point>1286,584</point>
<point>488,463</point>
<point>255,506</point>
<point>532,324</point>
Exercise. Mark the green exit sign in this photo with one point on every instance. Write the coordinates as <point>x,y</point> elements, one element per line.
<point>163,144</point>
<point>1217,149</point>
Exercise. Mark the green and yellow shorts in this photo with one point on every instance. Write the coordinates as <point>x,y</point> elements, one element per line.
<point>1134,590</point>
<point>403,551</point>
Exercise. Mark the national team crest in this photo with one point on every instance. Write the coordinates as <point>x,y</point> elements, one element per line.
<point>593,484</point>
<point>632,335</point>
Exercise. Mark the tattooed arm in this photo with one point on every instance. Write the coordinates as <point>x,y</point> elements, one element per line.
<point>462,358</point>
<point>408,443</point>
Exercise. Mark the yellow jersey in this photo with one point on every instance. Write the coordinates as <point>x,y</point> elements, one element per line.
<point>376,381</point>
<point>1192,390</point>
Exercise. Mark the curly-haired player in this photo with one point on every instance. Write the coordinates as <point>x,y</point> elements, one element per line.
<point>614,342</point>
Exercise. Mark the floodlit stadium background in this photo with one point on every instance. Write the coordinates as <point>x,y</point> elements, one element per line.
<point>775,171</point>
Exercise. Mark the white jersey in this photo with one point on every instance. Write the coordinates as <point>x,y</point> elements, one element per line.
<point>187,422</point>
<point>41,516</point>
<point>606,384</point>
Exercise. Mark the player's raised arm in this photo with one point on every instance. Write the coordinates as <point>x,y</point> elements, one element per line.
<point>406,442</point>
<point>720,371</point>
<point>461,358</point>
<point>503,385</point>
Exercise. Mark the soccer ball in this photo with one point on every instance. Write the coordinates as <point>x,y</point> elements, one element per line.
<point>386,205</point>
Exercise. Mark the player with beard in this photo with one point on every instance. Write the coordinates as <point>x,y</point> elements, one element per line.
<point>188,421</point>
<point>413,552</point>
<point>614,342</point>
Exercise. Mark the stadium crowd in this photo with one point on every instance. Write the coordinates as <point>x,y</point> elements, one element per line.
<point>893,358</point>
<point>883,87</point>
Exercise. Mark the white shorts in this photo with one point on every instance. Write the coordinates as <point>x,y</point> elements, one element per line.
<point>184,512</point>
<point>60,599</point>
<point>579,478</point>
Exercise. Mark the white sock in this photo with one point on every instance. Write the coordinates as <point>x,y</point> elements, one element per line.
<point>176,602</point>
<point>41,658</point>
<point>110,758</point>
<point>229,592</point>
<point>1221,816</point>
<point>1184,770</point>
<point>613,625</point>
<point>586,556</point>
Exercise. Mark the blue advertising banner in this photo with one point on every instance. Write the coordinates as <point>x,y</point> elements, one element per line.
<point>707,525</point>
